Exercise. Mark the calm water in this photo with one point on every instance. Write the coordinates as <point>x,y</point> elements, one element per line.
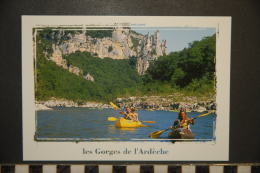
<point>92,124</point>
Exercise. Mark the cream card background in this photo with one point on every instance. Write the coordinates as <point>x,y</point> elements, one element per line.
<point>184,151</point>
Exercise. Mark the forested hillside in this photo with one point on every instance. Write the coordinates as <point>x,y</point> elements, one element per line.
<point>190,71</point>
<point>111,78</point>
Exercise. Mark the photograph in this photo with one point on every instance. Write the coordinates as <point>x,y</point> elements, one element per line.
<point>124,83</point>
<point>125,88</point>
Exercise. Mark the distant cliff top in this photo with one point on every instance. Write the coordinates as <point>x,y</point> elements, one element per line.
<point>115,43</point>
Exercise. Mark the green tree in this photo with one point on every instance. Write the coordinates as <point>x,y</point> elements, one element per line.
<point>186,66</point>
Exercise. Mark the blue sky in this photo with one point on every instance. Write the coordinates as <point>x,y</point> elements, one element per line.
<point>178,38</point>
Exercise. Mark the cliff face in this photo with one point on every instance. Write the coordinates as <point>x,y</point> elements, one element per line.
<point>123,44</point>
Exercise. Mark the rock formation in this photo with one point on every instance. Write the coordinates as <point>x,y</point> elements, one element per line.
<point>89,77</point>
<point>123,44</point>
<point>57,58</point>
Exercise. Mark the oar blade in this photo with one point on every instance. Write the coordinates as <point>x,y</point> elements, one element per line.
<point>156,134</point>
<point>114,106</point>
<point>142,125</point>
<point>149,121</point>
<point>111,118</point>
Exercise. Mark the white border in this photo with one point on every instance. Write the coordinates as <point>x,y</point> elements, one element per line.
<point>183,151</point>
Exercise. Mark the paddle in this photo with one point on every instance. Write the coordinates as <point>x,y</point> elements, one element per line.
<point>203,115</point>
<point>115,107</point>
<point>156,134</point>
<point>112,118</point>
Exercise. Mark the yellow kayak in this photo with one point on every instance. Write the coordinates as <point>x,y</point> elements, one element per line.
<point>128,123</point>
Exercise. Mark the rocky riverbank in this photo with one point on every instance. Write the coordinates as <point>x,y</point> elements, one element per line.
<point>166,103</point>
<point>40,107</point>
<point>47,105</point>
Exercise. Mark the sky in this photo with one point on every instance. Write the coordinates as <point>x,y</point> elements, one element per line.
<point>178,38</point>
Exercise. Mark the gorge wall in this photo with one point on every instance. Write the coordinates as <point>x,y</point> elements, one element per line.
<point>122,44</point>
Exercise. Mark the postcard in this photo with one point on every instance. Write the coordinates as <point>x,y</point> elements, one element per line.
<point>126,88</point>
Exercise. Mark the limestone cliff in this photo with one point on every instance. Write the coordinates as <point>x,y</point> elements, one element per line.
<point>122,44</point>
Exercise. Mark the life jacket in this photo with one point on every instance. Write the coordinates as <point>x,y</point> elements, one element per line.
<point>185,125</point>
<point>178,124</point>
<point>130,115</point>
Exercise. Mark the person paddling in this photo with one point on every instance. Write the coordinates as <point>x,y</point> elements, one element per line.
<point>130,114</point>
<point>134,114</point>
<point>181,126</point>
<point>183,121</point>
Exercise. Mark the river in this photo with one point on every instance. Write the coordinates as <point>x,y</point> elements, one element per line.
<point>92,124</point>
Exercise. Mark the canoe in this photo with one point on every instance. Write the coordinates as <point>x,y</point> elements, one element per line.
<point>127,123</point>
<point>183,134</point>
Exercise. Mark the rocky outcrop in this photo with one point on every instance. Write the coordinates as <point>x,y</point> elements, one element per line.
<point>68,103</point>
<point>40,107</point>
<point>166,103</point>
<point>151,49</point>
<point>57,58</point>
<point>89,77</point>
<point>123,44</point>
<point>142,65</point>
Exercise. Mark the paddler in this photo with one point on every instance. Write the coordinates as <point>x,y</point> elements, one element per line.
<point>183,122</point>
<point>134,115</point>
<point>130,114</point>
